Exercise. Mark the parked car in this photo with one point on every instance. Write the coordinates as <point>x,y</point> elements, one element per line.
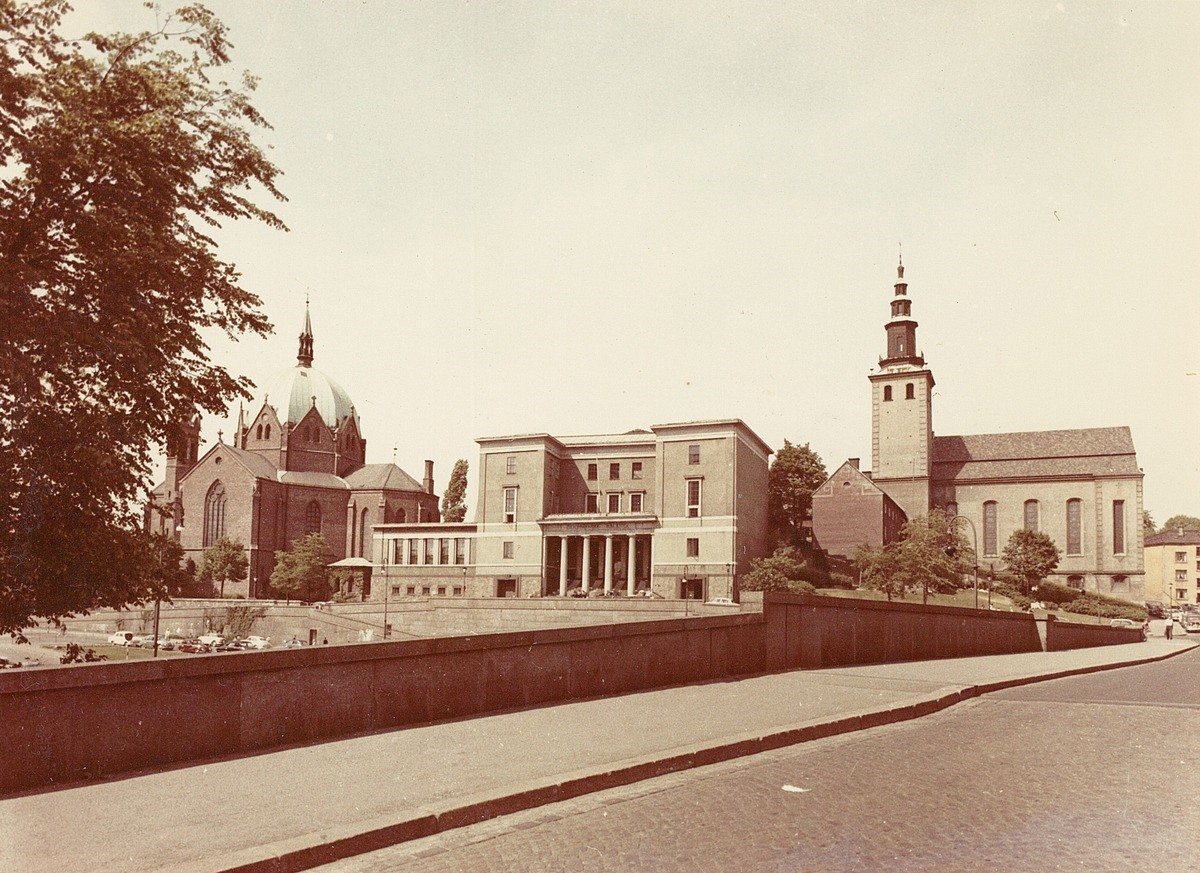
<point>195,647</point>
<point>1191,623</point>
<point>211,639</point>
<point>720,601</point>
<point>6,664</point>
<point>257,642</point>
<point>121,638</point>
<point>1123,622</point>
<point>293,643</point>
<point>1155,609</point>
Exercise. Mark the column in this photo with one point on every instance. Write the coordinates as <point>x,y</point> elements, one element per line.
<point>608,563</point>
<point>587,562</point>
<point>544,588</point>
<point>562,566</point>
<point>650,562</point>
<point>631,566</point>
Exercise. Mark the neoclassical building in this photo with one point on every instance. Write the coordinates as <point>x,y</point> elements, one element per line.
<point>296,466</point>
<point>678,511</point>
<point>1081,487</point>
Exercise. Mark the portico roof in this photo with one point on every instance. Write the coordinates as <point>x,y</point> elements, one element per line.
<point>580,524</point>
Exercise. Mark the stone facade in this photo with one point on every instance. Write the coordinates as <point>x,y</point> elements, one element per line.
<point>678,511</point>
<point>1173,566</point>
<point>1081,487</point>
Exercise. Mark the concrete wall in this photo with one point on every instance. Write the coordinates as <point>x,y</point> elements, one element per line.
<point>1062,635</point>
<point>93,720</point>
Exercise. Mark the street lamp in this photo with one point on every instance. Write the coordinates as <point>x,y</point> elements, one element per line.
<point>975,548</point>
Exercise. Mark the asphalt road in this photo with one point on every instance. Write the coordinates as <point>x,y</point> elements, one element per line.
<point>1090,773</point>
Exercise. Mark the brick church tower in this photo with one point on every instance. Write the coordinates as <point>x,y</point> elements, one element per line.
<point>902,411</point>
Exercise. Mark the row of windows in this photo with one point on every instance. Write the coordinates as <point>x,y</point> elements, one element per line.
<point>263,432</point>
<point>909,392</point>
<point>433,551</point>
<point>429,590</point>
<point>1182,557</point>
<point>613,500</point>
<point>1032,520</point>
<point>614,470</point>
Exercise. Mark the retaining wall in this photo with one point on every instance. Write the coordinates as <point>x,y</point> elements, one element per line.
<point>92,720</point>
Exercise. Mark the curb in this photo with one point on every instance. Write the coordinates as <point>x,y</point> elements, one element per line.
<point>288,857</point>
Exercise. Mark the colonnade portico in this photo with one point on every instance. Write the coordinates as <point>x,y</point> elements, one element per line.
<point>623,561</point>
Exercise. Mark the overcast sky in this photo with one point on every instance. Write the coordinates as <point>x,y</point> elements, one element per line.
<point>583,218</point>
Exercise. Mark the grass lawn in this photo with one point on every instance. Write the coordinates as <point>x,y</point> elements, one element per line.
<point>965,597</point>
<point>127,653</point>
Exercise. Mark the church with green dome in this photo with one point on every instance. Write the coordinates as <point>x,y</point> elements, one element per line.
<point>296,465</point>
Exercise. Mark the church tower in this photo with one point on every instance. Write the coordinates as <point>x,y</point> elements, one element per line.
<point>902,411</point>
<point>183,450</point>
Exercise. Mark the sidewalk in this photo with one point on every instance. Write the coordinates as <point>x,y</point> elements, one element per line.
<point>293,808</point>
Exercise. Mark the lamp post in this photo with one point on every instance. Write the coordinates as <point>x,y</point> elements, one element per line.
<point>975,550</point>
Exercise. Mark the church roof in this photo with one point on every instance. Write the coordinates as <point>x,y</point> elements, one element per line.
<point>291,393</point>
<point>382,477</point>
<point>259,466</point>
<point>1098,451</point>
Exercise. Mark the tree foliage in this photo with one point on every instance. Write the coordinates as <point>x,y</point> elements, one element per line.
<point>1175,522</point>
<point>223,561</point>
<point>1147,523</point>
<point>119,156</point>
<point>928,556</point>
<point>300,572</point>
<point>454,507</point>
<point>1029,555</point>
<point>795,473</point>
<point>785,570</point>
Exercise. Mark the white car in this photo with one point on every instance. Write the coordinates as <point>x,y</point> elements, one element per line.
<point>720,601</point>
<point>258,642</point>
<point>121,638</point>
<point>211,639</point>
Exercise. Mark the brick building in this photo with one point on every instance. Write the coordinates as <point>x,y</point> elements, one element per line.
<point>678,510</point>
<point>1081,487</point>
<point>297,466</point>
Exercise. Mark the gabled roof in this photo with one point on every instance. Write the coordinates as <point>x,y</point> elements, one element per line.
<point>859,483</point>
<point>1174,538</point>
<point>382,477</point>
<point>315,480</point>
<point>1099,451</point>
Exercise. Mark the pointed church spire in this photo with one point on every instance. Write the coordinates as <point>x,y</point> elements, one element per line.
<point>902,328</point>
<point>305,356</point>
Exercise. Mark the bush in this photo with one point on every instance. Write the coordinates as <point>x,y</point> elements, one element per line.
<point>1106,607</point>
<point>841,580</point>
<point>1059,595</point>
<point>801,587</point>
<point>1012,593</point>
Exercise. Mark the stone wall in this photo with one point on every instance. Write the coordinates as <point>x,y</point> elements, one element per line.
<point>95,720</point>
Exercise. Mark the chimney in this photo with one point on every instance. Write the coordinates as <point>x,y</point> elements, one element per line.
<point>428,483</point>
<point>853,462</point>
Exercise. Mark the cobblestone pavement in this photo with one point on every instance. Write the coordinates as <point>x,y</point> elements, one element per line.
<point>1081,774</point>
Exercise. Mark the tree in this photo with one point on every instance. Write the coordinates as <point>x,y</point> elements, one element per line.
<point>1147,523</point>
<point>300,572</point>
<point>795,473</point>
<point>928,556</point>
<point>119,154</point>
<point>223,561</point>
<point>1030,555</point>
<point>1175,522</point>
<point>454,507</point>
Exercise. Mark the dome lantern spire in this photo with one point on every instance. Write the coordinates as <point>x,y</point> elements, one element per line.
<point>305,355</point>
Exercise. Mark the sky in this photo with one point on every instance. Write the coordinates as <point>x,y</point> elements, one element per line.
<point>588,218</point>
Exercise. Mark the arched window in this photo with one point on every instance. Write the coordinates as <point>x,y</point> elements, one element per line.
<point>214,514</point>
<point>908,391</point>
<point>312,518</point>
<point>400,514</point>
<point>1074,526</point>
<point>362,533</point>
<point>258,433</point>
<point>267,432</point>
<point>989,527</point>
<point>887,392</point>
<point>1031,515</point>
